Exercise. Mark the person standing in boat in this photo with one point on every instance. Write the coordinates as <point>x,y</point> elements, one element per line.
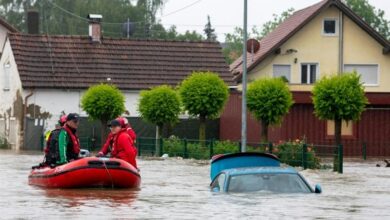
<point>122,144</point>
<point>68,142</point>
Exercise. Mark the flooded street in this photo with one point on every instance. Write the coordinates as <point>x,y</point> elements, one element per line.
<point>178,189</point>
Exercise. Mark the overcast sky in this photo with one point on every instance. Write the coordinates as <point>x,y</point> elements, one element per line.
<point>226,14</point>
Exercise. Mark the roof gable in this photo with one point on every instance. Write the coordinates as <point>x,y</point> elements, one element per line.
<point>8,25</point>
<point>73,62</point>
<point>274,40</point>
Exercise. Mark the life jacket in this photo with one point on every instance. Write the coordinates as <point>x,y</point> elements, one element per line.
<point>74,141</point>
<point>51,149</point>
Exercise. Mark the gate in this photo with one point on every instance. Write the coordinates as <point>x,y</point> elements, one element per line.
<point>33,134</point>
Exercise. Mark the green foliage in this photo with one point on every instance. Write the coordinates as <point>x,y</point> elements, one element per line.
<point>159,105</point>
<point>103,102</point>
<point>4,143</point>
<point>204,94</point>
<point>68,17</point>
<point>339,97</point>
<point>291,153</point>
<point>269,99</point>
<point>234,46</point>
<point>175,147</point>
<point>374,17</point>
<point>209,31</point>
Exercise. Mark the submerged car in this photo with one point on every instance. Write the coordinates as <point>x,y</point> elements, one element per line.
<point>250,172</point>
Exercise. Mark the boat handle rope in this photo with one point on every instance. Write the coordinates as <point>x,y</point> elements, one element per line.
<point>109,174</point>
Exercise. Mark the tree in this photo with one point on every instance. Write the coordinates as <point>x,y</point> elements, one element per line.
<point>374,17</point>
<point>268,99</point>
<point>338,98</point>
<point>233,49</point>
<point>103,102</point>
<point>204,95</point>
<point>209,31</point>
<point>160,105</point>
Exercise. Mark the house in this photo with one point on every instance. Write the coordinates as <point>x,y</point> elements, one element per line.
<point>323,39</point>
<point>48,75</point>
<point>7,123</point>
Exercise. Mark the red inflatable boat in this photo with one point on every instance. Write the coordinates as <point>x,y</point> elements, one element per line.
<point>87,172</point>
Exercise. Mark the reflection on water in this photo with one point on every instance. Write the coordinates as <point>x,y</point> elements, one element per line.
<point>80,197</point>
<point>178,189</point>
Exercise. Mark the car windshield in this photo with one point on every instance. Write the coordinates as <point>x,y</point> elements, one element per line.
<point>276,182</point>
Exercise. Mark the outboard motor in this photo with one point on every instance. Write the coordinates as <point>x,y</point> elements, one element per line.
<point>84,153</point>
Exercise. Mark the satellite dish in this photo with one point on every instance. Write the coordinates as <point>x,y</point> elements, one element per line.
<point>252,45</point>
<point>128,28</point>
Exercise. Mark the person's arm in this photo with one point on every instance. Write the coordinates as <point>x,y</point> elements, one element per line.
<point>62,145</point>
<point>105,147</point>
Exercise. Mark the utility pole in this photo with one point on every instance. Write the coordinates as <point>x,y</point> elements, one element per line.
<point>243,117</point>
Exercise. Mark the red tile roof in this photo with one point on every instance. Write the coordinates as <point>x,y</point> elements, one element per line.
<point>73,62</point>
<point>270,43</point>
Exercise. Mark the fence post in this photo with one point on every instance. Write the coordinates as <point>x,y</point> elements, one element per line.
<point>304,156</point>
<point>364,151</point>
<point>340,158</point>
<point>138,144</point>
<point>185,149</point>
<point>211,147</point>
<point>161,146</point>
<point>270,146</point>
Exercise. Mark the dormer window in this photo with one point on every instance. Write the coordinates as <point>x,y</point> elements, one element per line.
<point>330,26</point>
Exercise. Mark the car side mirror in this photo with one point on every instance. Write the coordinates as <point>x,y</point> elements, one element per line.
<point>216,189</point>
<point>317,188</point>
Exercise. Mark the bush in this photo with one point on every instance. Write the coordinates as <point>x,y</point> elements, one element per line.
<point>4,143</point>
<point>291,153</point>
<point>175,147</point>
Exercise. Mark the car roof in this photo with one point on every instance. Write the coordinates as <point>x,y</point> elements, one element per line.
<point>258,170</point>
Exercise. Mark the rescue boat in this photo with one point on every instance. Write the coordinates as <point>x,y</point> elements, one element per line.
<point>87,172</point>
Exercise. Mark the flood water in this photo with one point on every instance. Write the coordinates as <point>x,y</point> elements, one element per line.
<point>178,189</point>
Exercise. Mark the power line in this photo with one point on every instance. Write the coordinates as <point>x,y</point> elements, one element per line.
<point>180,9</point>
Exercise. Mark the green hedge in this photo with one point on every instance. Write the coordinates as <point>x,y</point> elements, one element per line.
<point>290,152</point>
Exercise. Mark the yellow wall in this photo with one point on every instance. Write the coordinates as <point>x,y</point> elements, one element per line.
<point>314,47</point>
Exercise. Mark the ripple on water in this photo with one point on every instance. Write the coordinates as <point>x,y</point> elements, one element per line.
<point>178,189</point>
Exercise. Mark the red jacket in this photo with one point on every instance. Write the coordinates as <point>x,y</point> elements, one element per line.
<point>110,138</point>
<point>123,148</point>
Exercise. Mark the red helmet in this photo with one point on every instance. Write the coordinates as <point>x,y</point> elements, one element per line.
<point>62,119</point>
<point>122,121</point>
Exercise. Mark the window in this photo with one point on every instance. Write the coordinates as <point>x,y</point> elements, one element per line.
<point>282,71</point>
<point>7,70</point>
<point>369,73</point>
<point>330,26</point>
<point>218,183</point>
<point>346,128</point>
<point>309,73</point>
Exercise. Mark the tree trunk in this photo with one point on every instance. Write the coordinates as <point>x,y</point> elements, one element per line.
<point>158,136</point>
<point>103,132</point>
<point>337,131</point>
<point>264,131</point>
<point>202,130</point>
<point>337,137</point>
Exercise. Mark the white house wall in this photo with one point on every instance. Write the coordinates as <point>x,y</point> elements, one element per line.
<point>11,101</point>
<point>55,102</point>
<point>3,36</point>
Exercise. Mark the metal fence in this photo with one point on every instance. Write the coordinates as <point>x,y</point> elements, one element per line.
<point>292,153</point>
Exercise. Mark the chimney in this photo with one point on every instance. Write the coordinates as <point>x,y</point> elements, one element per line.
<point>94,27</point>
<point>32,21</point>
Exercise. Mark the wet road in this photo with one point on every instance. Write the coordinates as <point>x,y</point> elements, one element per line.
<point>178,189</point>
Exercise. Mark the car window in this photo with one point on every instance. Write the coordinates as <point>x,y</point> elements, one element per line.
<point>219,182</point>
<point>279,183</point>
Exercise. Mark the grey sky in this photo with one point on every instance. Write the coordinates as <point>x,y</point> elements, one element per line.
<point>226,14</point>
